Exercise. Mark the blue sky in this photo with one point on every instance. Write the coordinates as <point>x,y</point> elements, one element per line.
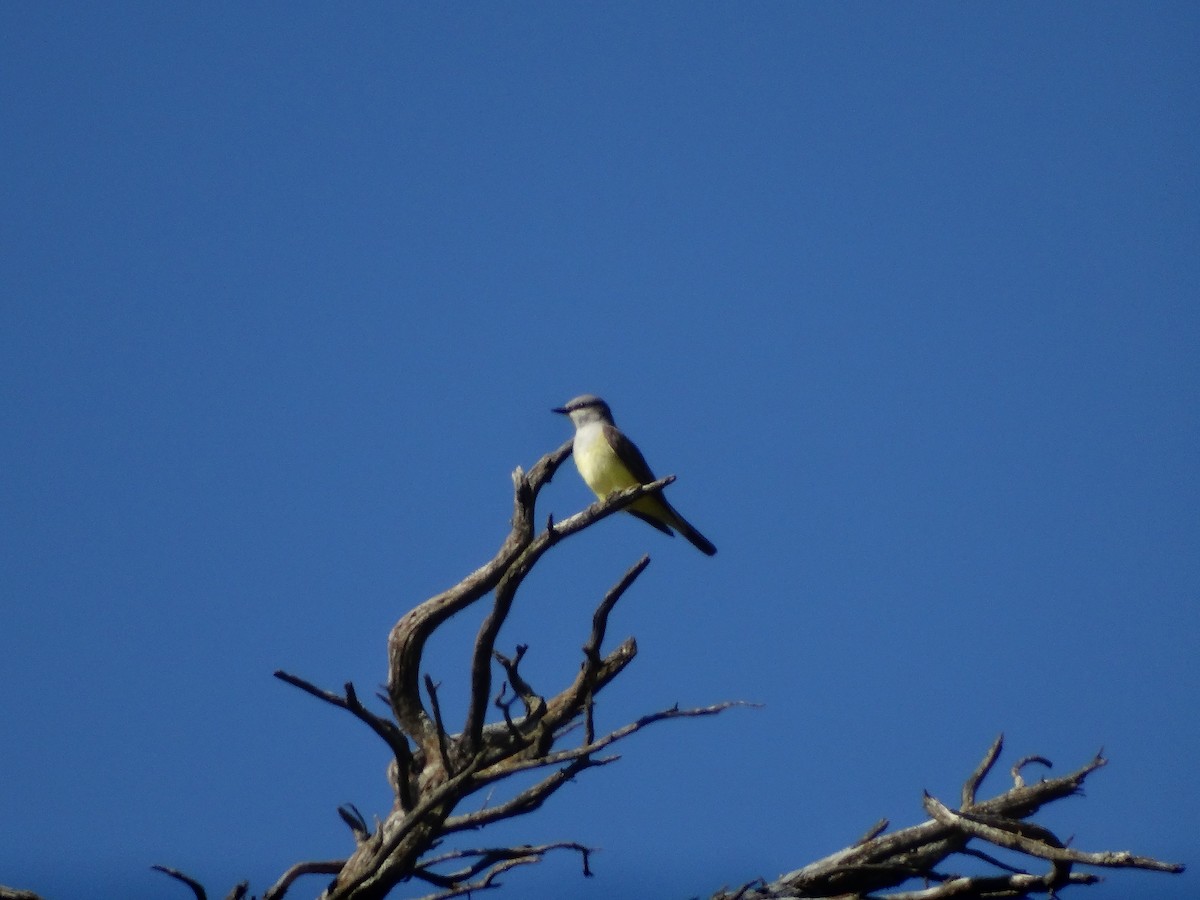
<point>905,294</point>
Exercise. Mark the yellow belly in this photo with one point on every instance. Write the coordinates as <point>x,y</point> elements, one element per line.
<point>603,471</point>
<point>601,468</point>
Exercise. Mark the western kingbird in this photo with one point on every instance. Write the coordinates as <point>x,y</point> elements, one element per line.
<point>609,461</point>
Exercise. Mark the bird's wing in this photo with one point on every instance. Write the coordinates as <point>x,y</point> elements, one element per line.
<point>629,454</point>
<point>660,514</point>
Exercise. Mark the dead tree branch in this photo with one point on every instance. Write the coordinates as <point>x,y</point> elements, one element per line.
<point>487,864</point>
<point>196,887</point>
<point>433,772</point>
<point>280,887</point>
<point>881,862</point>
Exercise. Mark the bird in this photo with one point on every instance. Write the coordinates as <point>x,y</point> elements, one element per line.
<point>608,461</point>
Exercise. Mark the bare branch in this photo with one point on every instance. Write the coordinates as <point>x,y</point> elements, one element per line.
<point>492,861</point>
<point>197,887</point>
<point>981,771</point>
<point>350,702</point>
<point>505,770</point>
<point>591,650</point>
<point>603,508</point>
<point>873,832</point>
<point>408,637</point>
<point>592,675</point>
<point>488,854</point>
<point>324,867</point>
<point>433,771</point>
<point>484,883</point>
<point>991,860</point>
<point>505,707</point>
<point>443,750</point>
<point>487,881</point>
<point>961,888</point>
<point>887,861</point>
<point>506,589</point>
<point>1052,850</point>
<point>354,821</point>
<point>527,800</point>
<point>1025,761</point>
<point>534,704</point>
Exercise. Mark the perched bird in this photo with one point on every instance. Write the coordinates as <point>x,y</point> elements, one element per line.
<point>609,461</point>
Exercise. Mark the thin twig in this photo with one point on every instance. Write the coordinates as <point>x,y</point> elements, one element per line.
<point>591,650</point>
<point>1021,763</point>
<point>534,704</point>
<point>354,821</point>
<point>486,856</point>
<point>553,759</point>
<point>197,887</point>
<point>971,785</point>
<point>873,832</point>
<point>443,749</point>
<point>320,867</point>
<point>350,702</point>
<point>527,800</point>
<point>488,880</point>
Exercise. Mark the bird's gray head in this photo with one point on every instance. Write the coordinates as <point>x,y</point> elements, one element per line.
<point>584,409</point>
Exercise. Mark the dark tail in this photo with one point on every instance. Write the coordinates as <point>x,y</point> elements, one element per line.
<point>684,527</point>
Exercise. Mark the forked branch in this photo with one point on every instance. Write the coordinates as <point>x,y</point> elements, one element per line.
<point>433,772</point>
<point>881,862</point>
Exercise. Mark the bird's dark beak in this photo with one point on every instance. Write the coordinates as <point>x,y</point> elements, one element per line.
<point>561,410</point>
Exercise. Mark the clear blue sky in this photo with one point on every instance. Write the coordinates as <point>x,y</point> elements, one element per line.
<point>905,294</point>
